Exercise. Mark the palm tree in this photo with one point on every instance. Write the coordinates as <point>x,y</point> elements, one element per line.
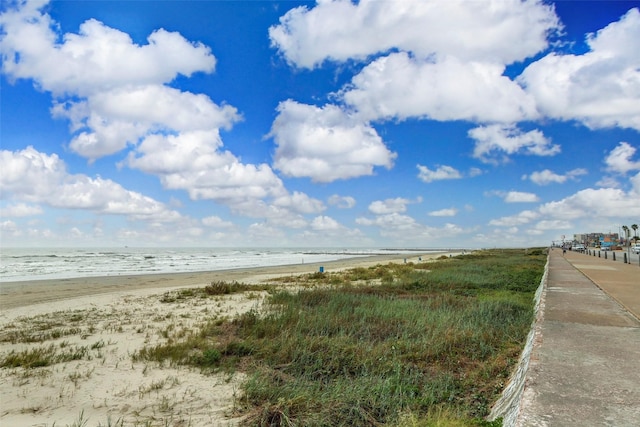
<point>635,231</point>
<point>626,234</point>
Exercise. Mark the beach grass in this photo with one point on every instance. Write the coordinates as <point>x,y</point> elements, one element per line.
<point>400,344</point>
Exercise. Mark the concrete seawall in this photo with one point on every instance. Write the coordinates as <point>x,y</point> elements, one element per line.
<point>508,406</point>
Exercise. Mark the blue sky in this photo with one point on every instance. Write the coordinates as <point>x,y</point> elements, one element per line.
<point>338,124</point>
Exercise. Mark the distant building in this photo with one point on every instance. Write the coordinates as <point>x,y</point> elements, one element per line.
<point>580,238</point>
<point>597,239</point>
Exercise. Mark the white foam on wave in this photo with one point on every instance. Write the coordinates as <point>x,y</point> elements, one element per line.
<point>58,263</point>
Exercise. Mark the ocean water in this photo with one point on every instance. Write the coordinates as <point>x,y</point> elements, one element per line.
<point>58,263</point>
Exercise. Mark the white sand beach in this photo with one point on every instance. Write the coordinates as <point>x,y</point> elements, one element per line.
<point>109,319</point>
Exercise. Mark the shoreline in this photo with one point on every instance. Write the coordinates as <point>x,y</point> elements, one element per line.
<point>18,294</point>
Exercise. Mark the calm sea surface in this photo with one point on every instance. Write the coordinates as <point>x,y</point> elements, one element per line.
<point>50,263</point>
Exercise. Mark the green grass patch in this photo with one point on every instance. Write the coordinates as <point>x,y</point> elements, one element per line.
<point>428,344</point>
<point>216,288</point>
<point>42,356</point>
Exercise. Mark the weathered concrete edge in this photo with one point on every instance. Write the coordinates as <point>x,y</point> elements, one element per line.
<point>508,405</point>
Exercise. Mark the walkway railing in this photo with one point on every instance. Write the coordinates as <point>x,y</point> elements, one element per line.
<point>627,257</point>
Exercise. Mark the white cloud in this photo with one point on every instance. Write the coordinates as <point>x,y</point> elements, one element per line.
<point>112,91</point>
<point>546,176</point>
<point>35,177</point>
<point>216,222</point>
<point>475,172</point>
<point>342,202</point>
<point>403,228</point>
<point>192,162</point>
<point>444,212</point>
<point>599,88</point>
<point>31,49</point>
<point>341,30</point>
<point>391,206</point>
<point>608,181</point>
<point>587,210</point>
<point>450,71</point>
<point>520,197</point>
<point>30,174</point>
<point>262,232</point>
<point>394,221</point>
<point>619,159</point>
<point>603,202</point>
<point>300,203</point>
<point>393,224</point>
<point>17,210</point>
<point>635,185</point>
<point>325,223</point>
<point>552,225</point>
<point>441,172</point>
<point>123,102</point>
<point>494,143</point>
<point>325,144</point>
<point>524,217</point>
<point>9,229</point>
<point>399,86</point>
<point>108,121</point>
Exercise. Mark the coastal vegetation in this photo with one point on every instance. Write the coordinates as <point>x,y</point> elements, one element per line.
<point>408,344</point>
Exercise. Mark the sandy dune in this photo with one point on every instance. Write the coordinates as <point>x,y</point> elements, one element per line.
<point>108,319</point>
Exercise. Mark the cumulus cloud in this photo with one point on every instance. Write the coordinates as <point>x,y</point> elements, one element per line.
<point>399,86</point>
<point>597,202</point>
<point>193,162</point>
<point>441,172</point>
<point>494,143</point>
<point>520,197</point>
<point>427,75</point>
<point>216,222</point>
<point>262,232</point>
<point>390,217</point>
<point>124,102</point>
<point>394,220</point>
<point>619,159</point>
<point>30,50</point>
<point>514,196</point>
<point>521,218</point>
<point>590,207</point>
<point>390,206</point>
<point>10,228</point>
<point>325,143</point>
<point>552,225</point>
<point>546,176</point>
<point>342,202</point>
<point>17,210</point>
<point>404,228</point>
<point>340,30</point>
<point>599,88</point>
<point>35,177</point>
<point>444,212</point>
<point>300,203</point>
<point>325,223</point>
<point>107,122</point>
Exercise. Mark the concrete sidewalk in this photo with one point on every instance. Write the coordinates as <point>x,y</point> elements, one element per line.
<point>584,368</point>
